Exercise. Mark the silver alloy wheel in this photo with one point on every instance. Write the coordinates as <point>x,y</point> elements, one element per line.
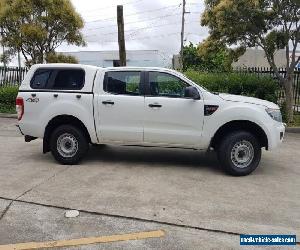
<point>242,154</point>
<point>67,145</point>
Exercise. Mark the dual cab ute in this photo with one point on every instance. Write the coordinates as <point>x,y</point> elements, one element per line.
<point>72,106</point>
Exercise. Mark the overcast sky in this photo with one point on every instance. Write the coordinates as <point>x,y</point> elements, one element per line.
<point>149,24</point>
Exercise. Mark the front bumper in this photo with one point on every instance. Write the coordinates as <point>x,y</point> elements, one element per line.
<point>276,135</point>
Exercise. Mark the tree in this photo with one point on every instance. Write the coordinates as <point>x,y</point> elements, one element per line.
<point>208,56</point>
<point>37,27</point>
<point>60,58</point>
<point>218,54</point>
<point>191,59</point>
<point>269,24</point>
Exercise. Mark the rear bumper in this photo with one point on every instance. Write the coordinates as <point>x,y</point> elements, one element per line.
<point>27,138</point>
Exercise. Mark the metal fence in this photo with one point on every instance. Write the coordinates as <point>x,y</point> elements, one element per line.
<point>11,75</point>
<point>265,71</point>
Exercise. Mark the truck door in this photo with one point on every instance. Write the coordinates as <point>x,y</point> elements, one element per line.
<point>120,105</point>
<point>171,119</point>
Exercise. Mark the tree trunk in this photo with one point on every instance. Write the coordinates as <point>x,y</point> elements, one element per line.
<point>288,87</point>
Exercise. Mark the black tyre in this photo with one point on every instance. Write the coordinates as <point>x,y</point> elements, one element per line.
<point>239,153</point>
<point>68,144</point>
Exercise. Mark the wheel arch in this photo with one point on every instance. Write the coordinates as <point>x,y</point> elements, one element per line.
<point>61,120</point>
<point>236,125</point>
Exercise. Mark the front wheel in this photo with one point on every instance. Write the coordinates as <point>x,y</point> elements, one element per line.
<point>239,153</point>
<point>68,144</point>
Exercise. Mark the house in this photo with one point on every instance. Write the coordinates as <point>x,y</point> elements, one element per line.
<point>256,58</point>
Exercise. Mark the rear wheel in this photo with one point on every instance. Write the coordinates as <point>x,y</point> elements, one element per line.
<point>68,144</point>
<point>239,153</point>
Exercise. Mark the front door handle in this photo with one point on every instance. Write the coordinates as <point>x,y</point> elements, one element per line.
<point>108,102</point>
<point>155,105</point>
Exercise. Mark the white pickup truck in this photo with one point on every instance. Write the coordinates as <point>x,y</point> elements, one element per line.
<point>71,106</point>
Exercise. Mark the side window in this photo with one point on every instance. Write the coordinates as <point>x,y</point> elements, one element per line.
<point>41,78</point>
<point>164,84</point>
<point>69,79</point>
<point>54,78</point>
<point>122,82</point>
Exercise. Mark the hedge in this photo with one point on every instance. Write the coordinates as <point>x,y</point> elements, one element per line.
<point>8,96</point>
<point>263,87</point>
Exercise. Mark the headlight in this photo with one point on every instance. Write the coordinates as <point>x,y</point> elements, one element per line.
<point>275,114</point>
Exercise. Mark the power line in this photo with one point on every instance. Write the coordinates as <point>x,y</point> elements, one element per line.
<point>143,28</point>
<point>132,2</point>
<point>139,21</point>
<point>134,14</point>
<point>113,25</point>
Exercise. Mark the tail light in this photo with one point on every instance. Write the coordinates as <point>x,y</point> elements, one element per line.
<point>20,107</point>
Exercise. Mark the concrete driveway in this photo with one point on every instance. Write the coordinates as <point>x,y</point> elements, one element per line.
<point>130,189</point>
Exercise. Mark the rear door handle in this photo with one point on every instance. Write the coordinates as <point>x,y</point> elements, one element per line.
<point>108,102</point>
<point>155,105</point>
<point>33,94</point>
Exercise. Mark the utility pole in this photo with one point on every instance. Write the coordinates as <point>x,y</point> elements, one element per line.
<point>121,37</point>
<point>182,35</point>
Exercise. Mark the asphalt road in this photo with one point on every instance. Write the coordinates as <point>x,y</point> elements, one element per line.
<point>129,189</point>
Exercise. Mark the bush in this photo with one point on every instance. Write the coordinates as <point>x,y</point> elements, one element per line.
<point>60,58</point>
<point>263,87</point>
<point>8,98</point>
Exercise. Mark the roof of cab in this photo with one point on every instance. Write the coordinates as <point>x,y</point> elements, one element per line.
<point>64,65</point>
<point>70,65</point>
<point>138,68</point>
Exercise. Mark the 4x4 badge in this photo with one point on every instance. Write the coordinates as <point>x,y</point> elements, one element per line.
<point>30,99</point>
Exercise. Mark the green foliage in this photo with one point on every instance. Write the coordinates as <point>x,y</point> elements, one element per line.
<point>262,87</point>
<point>209,55</point>
<point>60,58</point>
<point>191,59</point>
<point>8,95</point>
<point>296,122</point>
<point>37,27</point>
<point>8,99</point>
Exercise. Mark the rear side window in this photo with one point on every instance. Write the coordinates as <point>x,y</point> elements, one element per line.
<point>63,79</point>
<point>122,82</point>
<point>40,78</point>
<point>69,79</point>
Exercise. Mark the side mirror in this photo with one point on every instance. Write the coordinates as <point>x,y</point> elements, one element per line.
<point>192,92</point>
